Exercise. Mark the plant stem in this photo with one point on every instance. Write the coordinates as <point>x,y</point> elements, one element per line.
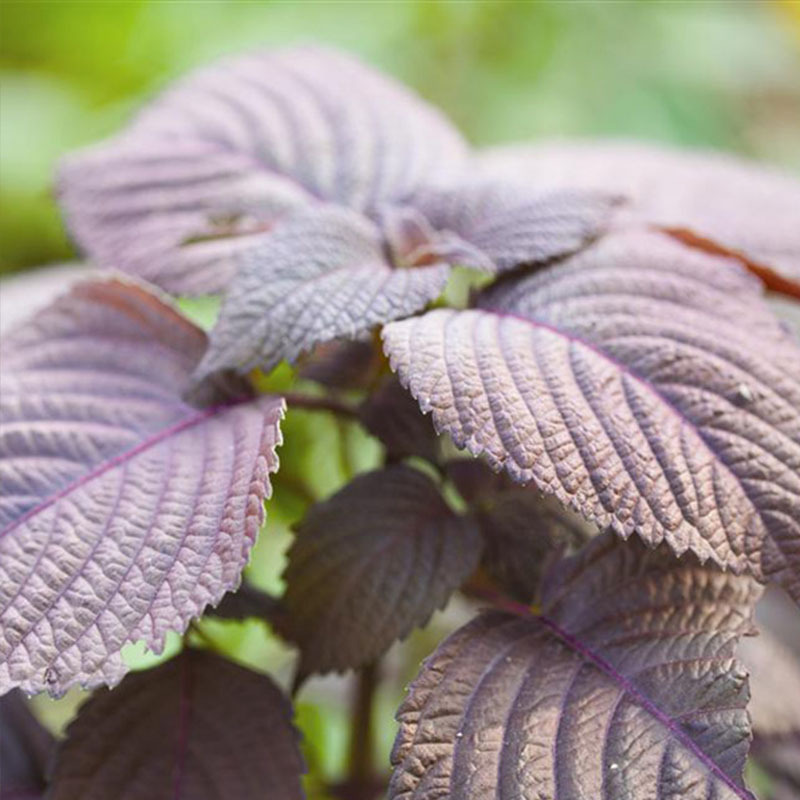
<point>360,765</point>
<point>311,403</point>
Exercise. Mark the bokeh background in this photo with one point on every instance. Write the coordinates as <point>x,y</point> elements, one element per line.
<point>705,74</point>
<point>714,74</point>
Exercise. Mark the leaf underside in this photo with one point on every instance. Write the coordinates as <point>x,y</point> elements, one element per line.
<point>195,727</point>
<point>126,509</point>
<point>626,688</point>
<point>710,200</point>
<point>644,384</point>
<point>371,563</point>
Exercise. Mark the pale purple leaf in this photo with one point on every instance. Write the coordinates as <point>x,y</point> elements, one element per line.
<point>221,156</point>
<point>748,209</point>
<point>197,726</point>
<point>626,687</point>
<point>125,509</point>
<point>371,563</point>
<point>500,225</point>
<point>322,275</point>
<point>25,750</point>
<point>645,384</point>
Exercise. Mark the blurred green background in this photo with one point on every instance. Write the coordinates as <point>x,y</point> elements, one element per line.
<point>719,74</point>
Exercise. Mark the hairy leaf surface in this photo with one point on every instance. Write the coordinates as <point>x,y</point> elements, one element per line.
<point>644,384</point>
<point>709,199</point>
<point>371,563</point>
<point>125,509</point>
<point>195,728</point>
<point>25,749</point>
<point>220,157</point>
<point>320,276</point>
<point>626,688</point>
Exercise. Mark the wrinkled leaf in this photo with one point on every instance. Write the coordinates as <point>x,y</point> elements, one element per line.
<point>320,276</point>
<point>371,563</point>
<point>712,200</point>
<point>213,164</point>
<point>195,727</point>
<point>392,415</point>
<point>25,749</point>
<point>125,509</point>
<point>644,384</point>
<point>500,226</point>
<point>626,688</point>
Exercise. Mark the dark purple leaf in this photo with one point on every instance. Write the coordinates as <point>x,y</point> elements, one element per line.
<point>645,384</point>
<point>342,364</point>
<point>627,687</point>
<point>219,158</point>
<point>125,509</point>
<point>475,480</point>
<point>322,275</point>
<point>196,728</point>
<point>25,749</point>
<point>500,225</point>
<point>371,563</point>
<point>523,534</point>
<point>779,758</point>
<point>392,415</point>
<point>712,200</point>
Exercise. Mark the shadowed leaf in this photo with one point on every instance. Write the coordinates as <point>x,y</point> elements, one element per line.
<point>626,688</point>
<point>644,384</point>
<point>208,169</point>
<point>125,509</point>
<point>25,749</point>
<point>195,727</point>
<point>342,364</point>
<point>371,563</point>
<point>711,200</point>
<point>392,415</point>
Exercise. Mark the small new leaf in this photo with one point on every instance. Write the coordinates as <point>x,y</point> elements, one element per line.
<point>645,384</point>
<point>626,688</point>
<point>196,727</point>
<point>322,275</point>
<point>125,509</point>
<point>371,563</point>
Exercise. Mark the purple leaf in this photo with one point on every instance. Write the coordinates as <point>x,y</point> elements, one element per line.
<point>627,687</point>
<point>371,563</point>
<point>499,226</point>
<point>645,384</point>
<point>195,727</point>
<point>125,509</point>
<point>392,415</point>
<point>320,276</point>
<point>523,533</point>
<point>25,749</point>
<point>219,158</point>
<point>709,199</point>
<point>343,364</point>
